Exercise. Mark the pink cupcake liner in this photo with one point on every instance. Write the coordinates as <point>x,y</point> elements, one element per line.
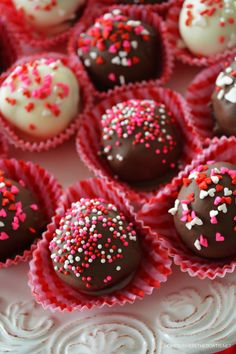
<point>183,54</point>
<point>53,294</point>
<point>155,215</point>
<point>3,147</point>
<point>198,98</point>
<point>10,50</point>
<point>88,139</point>
<point>13,136</point>
<point>42,184</point>
<point>26,34</point>
<point>160,9</point>
<point>135,12</point>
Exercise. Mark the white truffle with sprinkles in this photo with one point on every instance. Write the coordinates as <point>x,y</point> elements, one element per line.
<point>49,15</point>
<point>205,213</point>
<point>95,249</point>
<point>40,98</point>
<point>208,27</point>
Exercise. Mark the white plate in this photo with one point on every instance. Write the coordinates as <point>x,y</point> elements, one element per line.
<point>185,316</point>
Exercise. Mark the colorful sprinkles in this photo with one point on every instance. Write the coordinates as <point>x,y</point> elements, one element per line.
<point>226,83</point>
<point>144,121</point>
<point>87,234</point>
<point>208,187</point>
<point>12,213</point>
<point>113,33</point>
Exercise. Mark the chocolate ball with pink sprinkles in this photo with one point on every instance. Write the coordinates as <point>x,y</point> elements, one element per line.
<point>118,50</point>
<point>205,213</point>
<point>141,140</point>
<point>95,249</point>
<point>21,219</point>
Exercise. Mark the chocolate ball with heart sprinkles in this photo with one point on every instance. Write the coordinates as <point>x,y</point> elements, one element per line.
<point>141,140</point>
<point>224,100</point>
<point>118,50</point>
<point>95,249</point>
<point>205,213</point>
<point>21,220</point>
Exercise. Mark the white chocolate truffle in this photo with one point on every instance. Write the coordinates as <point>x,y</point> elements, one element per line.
<point>208,27</point>
<point>40,98</point>
<point>45,15</point>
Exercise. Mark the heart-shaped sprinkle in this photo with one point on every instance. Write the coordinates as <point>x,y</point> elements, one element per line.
<point>203,194</point>
<point>213,213</point>
<point>231,95</point>
<point>197,245</point>
<point>211,192</point>
<point>2,224</point>
<point>223,80</point>
<point>203,241</point>
<point>214,220</point>
<point>215,179</point>
<point>227,191</point>
<point>219,237</point>
<point>223,208</point>
<point>3,214</point>
<point>3,236</point>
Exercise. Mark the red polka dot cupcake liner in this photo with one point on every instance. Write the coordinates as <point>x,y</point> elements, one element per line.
<point>198,98</point>
<point>161,9</point>
<point>26,34</point>
<point>88,141</point>
<point>137,13</point>
<point>44,186</point>
<point>14,136</point>
<point>10,50</point>
<point>177,44</point>
<point>155,215</point>
<point>54,294</point>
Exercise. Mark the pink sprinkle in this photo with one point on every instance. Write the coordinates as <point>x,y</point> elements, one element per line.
<point>219,237</point>
<point>34,207</point>
<point>217,201</point>
<point>112,77</point>
<point>112,49</point>
<point>214,220</point>
<point>3,236</point>
<point>203,241</point>
<point>3,214</point>
<point>14,190</point>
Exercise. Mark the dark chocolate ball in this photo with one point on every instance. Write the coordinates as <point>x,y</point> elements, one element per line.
<point>117,50</point>
<point>205,213</point>
<point>21,221</point>
<point>95,248</point>
<point>224,100</point>
<point>141,140</point>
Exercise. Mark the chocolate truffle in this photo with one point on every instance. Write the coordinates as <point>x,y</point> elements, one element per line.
<point>49,16</point>
<point>141,140</point>
<point>208,27</point>
<point>95,249</point>
<point>205,213</point>
<point>117,50</point>
<point>40,98</point>
<point>21,220</point>
<point>224,100</point>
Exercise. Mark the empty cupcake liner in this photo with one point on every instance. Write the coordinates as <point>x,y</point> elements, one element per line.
<point>89,135</point>
<point>10,49</point>
<point>54,294</point>
<point>198,98</point>
<point>26,34</point>
<point>45,187</point>
<point>134,12</point>
<point>155,215</point>
<point>177,44</point>
<point>13,135</point>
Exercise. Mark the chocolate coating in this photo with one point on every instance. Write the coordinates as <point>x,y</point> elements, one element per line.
<point>224,100</point>
<point>100,251</point>
<point>141,140</point>
<point>205,213</point>
<point>117,50</point>
<point>21,221</point>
